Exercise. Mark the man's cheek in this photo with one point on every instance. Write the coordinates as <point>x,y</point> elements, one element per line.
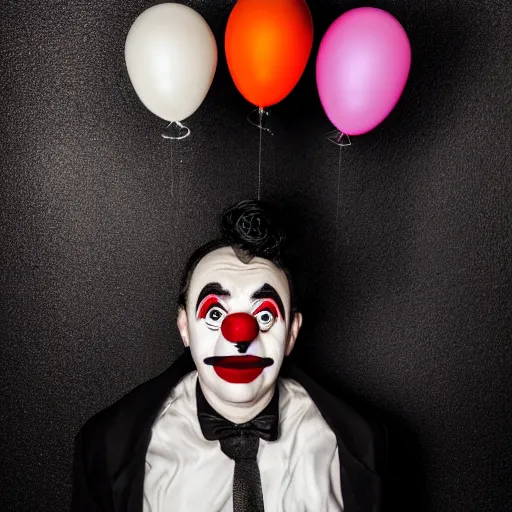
<point>274,341</point>
<point>203,339</point>
<point>277,335</point>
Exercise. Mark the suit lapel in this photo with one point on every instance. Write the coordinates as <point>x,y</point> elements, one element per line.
<point>128,482</point>
<point>360,484</point>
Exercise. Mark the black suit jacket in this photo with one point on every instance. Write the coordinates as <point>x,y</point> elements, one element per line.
<point>110,450</point>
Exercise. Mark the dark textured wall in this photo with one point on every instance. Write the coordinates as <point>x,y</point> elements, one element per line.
<point>408,298</point>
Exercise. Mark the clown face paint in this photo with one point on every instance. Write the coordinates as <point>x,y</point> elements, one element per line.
<point>237,325</point>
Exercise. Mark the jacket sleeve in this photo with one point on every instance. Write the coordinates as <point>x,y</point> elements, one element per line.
<point>84,496</point>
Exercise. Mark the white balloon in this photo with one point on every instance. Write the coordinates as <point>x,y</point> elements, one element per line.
<point>171,56</point>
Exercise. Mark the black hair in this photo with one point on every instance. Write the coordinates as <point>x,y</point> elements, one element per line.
<point>252,229</point>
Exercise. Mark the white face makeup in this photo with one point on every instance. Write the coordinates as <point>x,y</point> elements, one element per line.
<point>237,325</point>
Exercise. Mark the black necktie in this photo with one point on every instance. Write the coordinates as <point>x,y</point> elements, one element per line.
<point>240,442</point>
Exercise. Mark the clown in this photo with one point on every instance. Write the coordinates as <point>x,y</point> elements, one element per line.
<point>229,427</point>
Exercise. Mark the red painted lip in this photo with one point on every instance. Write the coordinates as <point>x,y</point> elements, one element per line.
<point>239,369</point>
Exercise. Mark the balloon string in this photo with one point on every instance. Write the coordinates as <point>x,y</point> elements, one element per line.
<point>172,173</point>
<point>259,154</point>
<point>338,199</point>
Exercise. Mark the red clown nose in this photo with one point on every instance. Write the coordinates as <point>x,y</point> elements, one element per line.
<point>240,328</point>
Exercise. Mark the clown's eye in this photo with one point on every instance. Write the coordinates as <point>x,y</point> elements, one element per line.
<point>265,319</point>
<point>214,317</point>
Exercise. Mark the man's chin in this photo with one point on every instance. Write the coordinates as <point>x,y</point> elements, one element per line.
<point>241,397</point>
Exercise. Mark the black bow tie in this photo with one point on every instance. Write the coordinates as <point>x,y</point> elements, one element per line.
<point>214,426</point>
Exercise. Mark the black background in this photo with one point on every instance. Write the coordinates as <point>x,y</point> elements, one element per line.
<point>408,296</point>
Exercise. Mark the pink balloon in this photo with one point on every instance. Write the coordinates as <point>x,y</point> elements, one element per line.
<point>362,66</point>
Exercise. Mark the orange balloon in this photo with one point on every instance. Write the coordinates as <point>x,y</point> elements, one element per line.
<point>268,43</point>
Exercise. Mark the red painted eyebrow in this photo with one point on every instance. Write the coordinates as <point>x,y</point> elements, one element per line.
<point>206,304</point>
<point>211,289</point>
<point>269,305</point>
<point>268,292</point>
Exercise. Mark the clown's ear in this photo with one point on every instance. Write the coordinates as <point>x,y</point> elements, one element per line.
<point>183,326</point>
<point>294,332</point>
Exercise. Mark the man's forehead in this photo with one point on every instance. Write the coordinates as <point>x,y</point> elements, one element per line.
<point>223,266</point>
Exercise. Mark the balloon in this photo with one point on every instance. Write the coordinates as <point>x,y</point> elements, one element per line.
<point>268,43</point>
<point>362,66</point>
<point>171,56</point>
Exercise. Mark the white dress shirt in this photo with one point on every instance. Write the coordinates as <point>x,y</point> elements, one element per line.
<point>300,471</point>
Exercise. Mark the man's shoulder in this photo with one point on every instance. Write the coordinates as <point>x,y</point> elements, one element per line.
<point>114,422</point>
<point>117,412</point>
<point>126,418</point>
